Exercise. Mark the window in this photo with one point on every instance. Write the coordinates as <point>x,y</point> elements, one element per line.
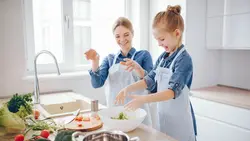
<point>68,28</point>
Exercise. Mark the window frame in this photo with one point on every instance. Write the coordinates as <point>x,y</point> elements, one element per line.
<point>69,64</point>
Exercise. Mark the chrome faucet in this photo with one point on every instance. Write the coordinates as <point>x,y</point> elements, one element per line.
<point>36,82</point>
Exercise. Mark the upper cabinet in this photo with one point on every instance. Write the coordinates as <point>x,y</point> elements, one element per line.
<point>228,24</point>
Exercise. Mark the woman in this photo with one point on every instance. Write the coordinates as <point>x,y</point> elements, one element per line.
<point>171,76</point>
<point>123,68</point>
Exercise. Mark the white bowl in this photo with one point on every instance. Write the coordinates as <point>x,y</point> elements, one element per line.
<point>135,118</point>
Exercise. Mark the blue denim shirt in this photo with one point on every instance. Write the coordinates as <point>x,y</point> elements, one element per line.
<point>182,75</point>
<point>142,57</point>
<point>182,72</point>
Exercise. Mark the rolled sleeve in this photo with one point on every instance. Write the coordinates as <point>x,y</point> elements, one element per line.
<point>150,80</point>
<point>150,77</point>
<point>183,70</point>
<point>99,76</point>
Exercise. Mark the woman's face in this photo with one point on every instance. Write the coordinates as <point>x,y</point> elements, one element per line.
<point>168,40</point>
<point>123,37</point>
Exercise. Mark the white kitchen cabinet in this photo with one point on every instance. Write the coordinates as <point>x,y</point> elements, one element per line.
<point>213,130</point>
<point>215,8</point>
<point>220,122</point>
<point>237,31</point>
<point>227,25</point>
<point>234,7</point>
<point>214,31</point>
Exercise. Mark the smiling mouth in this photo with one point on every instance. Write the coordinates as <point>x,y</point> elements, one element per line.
<point>124,44</point>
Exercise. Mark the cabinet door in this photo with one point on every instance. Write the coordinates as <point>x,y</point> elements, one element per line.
<point>237,6</point>
<point>214,33</point>
<point>215,8</point>
<point>213,130</point>
<point>228,114</point>
<point>237,31</point>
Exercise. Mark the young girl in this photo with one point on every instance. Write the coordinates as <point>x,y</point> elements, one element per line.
<point>123,68</point>
<point>171,76</point>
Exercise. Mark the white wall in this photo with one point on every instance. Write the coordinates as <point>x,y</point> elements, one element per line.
<point>14,60</point>
<point>1,47</point>
<point>235,69</point>
<point>206,62</point>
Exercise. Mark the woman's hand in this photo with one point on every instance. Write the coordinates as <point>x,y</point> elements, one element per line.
<point>120,98</point>
<point>136,102</point>
<point>133,65</point>
<point>91,54</point>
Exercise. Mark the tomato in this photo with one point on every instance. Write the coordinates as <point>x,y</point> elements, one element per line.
<point>86,119</point>
<point>19,137</point>
<point>79,124</point>
<point>79,118</point>
<point>45,134</point>
<point>36,114</point>
<point>97,117</point>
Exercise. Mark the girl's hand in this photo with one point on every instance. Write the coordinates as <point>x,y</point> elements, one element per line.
<point>121,96</point>
<point>137,102</point>
<point>91,54</point>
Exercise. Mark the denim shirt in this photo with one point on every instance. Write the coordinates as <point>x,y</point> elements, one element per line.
<point>142,57</point>
<point>182,75</point>
<point>182,72</point>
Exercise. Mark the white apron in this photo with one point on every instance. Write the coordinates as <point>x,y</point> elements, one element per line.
<point>175,117</point>
<point>118,79</point>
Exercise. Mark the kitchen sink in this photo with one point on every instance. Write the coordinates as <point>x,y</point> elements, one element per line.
<point>56,105</point>
<point>61,109</point>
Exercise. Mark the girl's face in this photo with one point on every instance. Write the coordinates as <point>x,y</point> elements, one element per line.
<point>123,37</point>
<point>168,40</point>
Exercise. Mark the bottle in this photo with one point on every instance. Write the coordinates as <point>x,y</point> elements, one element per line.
<point>94,108</point>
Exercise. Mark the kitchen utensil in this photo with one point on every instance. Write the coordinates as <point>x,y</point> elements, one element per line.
<point>104,136</point>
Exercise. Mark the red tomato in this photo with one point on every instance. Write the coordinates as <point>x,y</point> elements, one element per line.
<point>19,137</point>
<point>86,119</point>
<point>45,134</point>
<point>36,114</point>
<point>79,118</point>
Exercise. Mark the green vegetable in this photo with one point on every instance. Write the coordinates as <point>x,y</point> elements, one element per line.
<point>122,116</point>
<point>64,135</point>
<point>21,104</point>
<point>42,125</point>
<point>10,122</point>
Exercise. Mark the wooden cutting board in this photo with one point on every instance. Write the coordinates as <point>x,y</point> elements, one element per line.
<point>87,126</point>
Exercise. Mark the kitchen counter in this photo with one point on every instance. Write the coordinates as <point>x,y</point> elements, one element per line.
<point>144,132</point>
<point>225,95</point>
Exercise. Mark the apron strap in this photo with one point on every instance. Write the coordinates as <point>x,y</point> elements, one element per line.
<point>179,53</point>
<point>115,58</point>
<point>133,56</point>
